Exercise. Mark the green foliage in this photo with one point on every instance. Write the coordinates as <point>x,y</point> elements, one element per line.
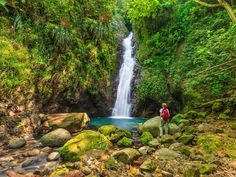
<point>177,43</point>
<point>125,142</point>
<point>57,53</point>
<point>210,143</point>
<point>146,137</point>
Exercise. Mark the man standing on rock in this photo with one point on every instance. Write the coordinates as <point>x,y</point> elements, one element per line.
<point>165,118</point>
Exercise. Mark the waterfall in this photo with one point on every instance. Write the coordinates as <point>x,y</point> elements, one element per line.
<point>123,101</point>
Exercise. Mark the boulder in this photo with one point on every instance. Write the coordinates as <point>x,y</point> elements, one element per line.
<point>73,122</point>
<point>217,107</point>
<point>167,139</point>
<point>146,137</point>
<point>166,154</point>
<point>125,142</point>
<point>16,143</point>
<point>191,115</point>
<point>186,139</point>
<point>85,141</point>
<point>180,148</point>
<point>152,126</point>
<point>111,164</point>
<point>53,156</point>
<point>127,155</point>
<point>146,150</point>
<point>148,165</point>
<point>173,129</point>
<point>119,134</point>
<point>56,138</point>
<point>154,143</point>
<point>107,130</point>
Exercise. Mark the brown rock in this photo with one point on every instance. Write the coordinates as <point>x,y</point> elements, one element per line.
<point>75,173</point>
<point>13,174</point>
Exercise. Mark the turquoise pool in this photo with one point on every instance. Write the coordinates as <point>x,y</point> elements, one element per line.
<point>128,123</point>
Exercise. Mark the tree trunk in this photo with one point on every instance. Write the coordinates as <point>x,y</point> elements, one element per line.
<point>229,9</point>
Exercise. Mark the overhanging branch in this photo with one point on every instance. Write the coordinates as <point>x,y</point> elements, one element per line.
<point>207,4</point>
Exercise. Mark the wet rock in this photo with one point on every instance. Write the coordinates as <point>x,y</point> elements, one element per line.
<point>16,143</point>
<point>49,167</point>
<point>85,141</point>
<point>146,150</point>
<point>152,126</point>
<point>33,161</point>
<point>53,156</point>
<point>165,153</point>
<point>127,155</point>
<point>31,153</point>
<point>167,139</point>
<point>56,138</point>
<point>107,130</point>
<point>46,149</point>
<point>149,165</point>
<point>173,128</point>
<point>73,122</point>
<point>13,174</point>
<point>154,143</point>
<point>186,139</point>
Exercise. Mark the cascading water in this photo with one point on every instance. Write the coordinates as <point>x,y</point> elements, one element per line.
<point>123,101</point>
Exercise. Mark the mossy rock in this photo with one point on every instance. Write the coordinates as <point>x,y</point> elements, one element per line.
<point>173,128</point>
<point>177,118</point>
<point>186,139</point>
<point>210,143</point>
<point>127,155</point>
<point>191,115</point>
<point>148,165</point>
<point>202,115</point>
<point>167,139</point>
<point>85,141</point>
<point>217,107</point>
<point>166,154</point>
<point>231,154</point>
<point>189,129</point>
<point>125,142</point>
<point>56,138</point>
<point>107,130</point>
<point>111,164</point>
<point>224,116</point>
<point>180,148</point>
<point>146,137</point>
<point>119,134</point>
<point>206,169</point>
<point>152,126</point>
<point>233,126</point>
<point>60,172</point>
<point>192,171</point>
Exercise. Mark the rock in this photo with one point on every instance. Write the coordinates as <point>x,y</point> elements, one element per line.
<point>146,137</point>
<point>166,174</point>
<point>31,153</point>
<point>13,174</point>
<point>85,141</point>
<point>152,126</point>
<point>60,172</point>
<point>189,129</point>
<point>186,139</point>
<point>217,107</point>
<point>3,134</point>
<point>73,122</point>
<point>233,126</point>
<point>177,135</point>
<point>207,168</point>
<point>167,139</point>
<point>165,153</point>
<point>204,127</point>
<point>75,173</point>
<point>119,134</point>
<point>125,142</point>
<point>56,138</point>
<point>180,148</point>
<point>183,123</point>
<point>127,155</point>
<point>111,164</point>
<point>32,161</point>
<point>148,165</point>
<point>177,118</point>
<point>191,115</point>
<point>16,143</point>
<point>49,167</point>
<point>107,130</point>
<point>86,170</point>
<point>233,164</point>
<point>54,156</point>
<point>192,172</point>
<point>173,129</point>
<point>146,150</point>
<point>154,143</point>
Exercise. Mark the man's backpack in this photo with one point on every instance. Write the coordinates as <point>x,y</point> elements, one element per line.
<point>166,114</point>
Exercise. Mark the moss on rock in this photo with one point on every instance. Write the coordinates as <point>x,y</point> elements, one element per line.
<point>83,142</point>
<point>119,134</point>
<point>146,137</point>
<point>125,142</point>
<point>107,130</point>
<point>217,107</point>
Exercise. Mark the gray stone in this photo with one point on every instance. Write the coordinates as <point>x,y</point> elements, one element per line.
<point>154,143</point>
<point>173,128</point>
<point>146,150</point>
<point>86,170</point>
<point>56,138</point>
<point>167,139</point>
<point>16,143</point>
<point>127,155</point>
<point>54,156</point>
<point>152,126</point>
<point>165,153</point>
<point>148,165</point>
<point>186,139</point>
